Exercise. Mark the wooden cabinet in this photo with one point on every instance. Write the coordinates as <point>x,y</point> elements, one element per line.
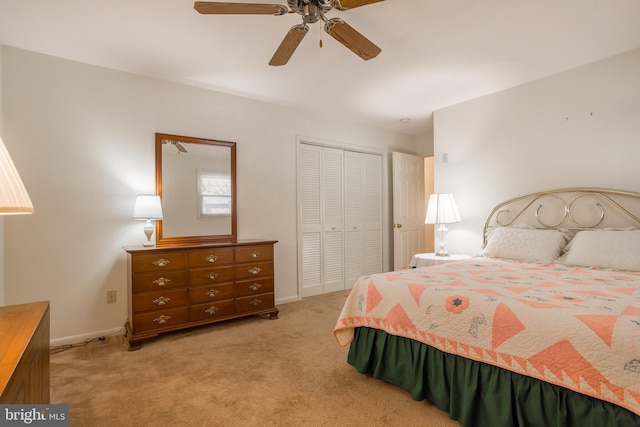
<point>24,354</point>
<point>172,288</point>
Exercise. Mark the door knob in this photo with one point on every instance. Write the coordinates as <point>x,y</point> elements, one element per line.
<point>397,225</point>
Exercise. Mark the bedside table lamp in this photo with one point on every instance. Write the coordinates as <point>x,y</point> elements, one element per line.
<point>148,208</point>
<point>442,210</point>
<point>14,199</point>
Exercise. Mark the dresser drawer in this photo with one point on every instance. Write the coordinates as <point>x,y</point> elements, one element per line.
<point>255,303</point>
<point>200,294</point>
<point>160,319</point>
<point>257,269</point>
<point>155,281</point>
<point>211,310</point>
<point>253,287</point>
<point>254,253</point>
<point>201,276</point>
<point>209,257</point>
<point>144,263</point>
<point>148,301</point>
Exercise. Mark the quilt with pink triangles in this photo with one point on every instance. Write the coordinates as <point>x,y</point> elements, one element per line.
<point>578,328</point>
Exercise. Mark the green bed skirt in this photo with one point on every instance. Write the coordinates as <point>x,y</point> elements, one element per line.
<point>474,393</point>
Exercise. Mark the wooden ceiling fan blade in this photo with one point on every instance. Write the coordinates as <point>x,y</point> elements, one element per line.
<point>289,44</point>
<point>222,8</point>
<point>351,39</point>
<point>180,147</point>
<point>350,4</point>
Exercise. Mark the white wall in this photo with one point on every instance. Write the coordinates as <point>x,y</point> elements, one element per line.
<point>577,128</point>
<point>82,138</point>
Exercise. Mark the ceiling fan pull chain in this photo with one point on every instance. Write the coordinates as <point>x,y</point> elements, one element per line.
<point>320,26</point>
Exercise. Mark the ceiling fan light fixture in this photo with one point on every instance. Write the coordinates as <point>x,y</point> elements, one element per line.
<point>311,12</point>
<point>327,5</point>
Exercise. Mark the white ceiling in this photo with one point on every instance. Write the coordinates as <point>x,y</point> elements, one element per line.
<point>435,53</point>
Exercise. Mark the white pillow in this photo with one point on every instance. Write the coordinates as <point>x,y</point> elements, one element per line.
<point>619,250</point>
<point>525,244</point>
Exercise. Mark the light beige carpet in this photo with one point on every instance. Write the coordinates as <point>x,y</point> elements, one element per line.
<point>246,372</point>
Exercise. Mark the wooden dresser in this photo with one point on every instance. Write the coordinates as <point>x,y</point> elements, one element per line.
<point>172,288</point>
<point>24,353</point>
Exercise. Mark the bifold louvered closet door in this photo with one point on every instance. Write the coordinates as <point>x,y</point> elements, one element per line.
<point>340,217</point>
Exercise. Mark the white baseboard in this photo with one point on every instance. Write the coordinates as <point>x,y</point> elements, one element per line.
<point>75,339</point>
<point>287,300</point>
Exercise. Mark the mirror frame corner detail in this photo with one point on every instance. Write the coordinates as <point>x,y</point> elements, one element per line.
<point>164,241</point>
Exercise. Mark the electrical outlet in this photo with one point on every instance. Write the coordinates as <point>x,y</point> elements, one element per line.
<point>111,296</point>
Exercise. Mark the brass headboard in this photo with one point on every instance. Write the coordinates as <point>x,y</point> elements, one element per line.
<point>568,208</point>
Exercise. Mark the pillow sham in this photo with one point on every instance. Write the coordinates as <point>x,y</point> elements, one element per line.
<point>525,244</point>
<point>619,250</point>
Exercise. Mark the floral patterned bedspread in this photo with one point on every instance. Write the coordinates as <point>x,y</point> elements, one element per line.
<point>574,327</point>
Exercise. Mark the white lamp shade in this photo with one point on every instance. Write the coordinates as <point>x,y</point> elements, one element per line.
<point>442,209</point>
<point>147,207</point>
<point>13,196</point>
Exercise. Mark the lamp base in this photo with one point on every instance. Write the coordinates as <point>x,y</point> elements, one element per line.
<point>442,237</point>
<point>148,231</point>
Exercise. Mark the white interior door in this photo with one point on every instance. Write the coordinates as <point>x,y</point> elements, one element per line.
<point>354,217</point>
<point>409,208</point>
<point>363,215</point>
<point>333,219</point>
<point>310,220</point>
<point>321,219</point>
<point>339,219</point>
<point>372,214</point>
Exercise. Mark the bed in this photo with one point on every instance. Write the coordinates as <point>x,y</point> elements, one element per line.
<point>541,329</point>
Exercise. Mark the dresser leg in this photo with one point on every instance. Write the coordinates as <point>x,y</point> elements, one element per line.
<point>135,345</point>
<point>274,314</point>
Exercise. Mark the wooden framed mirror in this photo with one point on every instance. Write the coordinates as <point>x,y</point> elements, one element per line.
<point>196,181</point>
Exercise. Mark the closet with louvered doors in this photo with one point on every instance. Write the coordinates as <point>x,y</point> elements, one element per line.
<point>339,217</point>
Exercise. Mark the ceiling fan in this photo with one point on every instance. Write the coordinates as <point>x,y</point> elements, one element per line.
<point>176,144</point>
<point>311,11</point>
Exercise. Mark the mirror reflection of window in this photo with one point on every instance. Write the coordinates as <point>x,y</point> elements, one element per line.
<point>178,183</point>
<point>214,193</point>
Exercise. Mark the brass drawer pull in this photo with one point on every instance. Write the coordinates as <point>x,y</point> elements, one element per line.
<point>211,258</point>
<point>212,293</point>
<point>255,254</point>
<point>255,302</point>
<point>255,286</point>
<point>255,270</point>
<point>161,262</point>
<point>161,300</point>
<point>162,319</point>
<point>211,276</point>
<point>161,281</point>
<point>212,310</point>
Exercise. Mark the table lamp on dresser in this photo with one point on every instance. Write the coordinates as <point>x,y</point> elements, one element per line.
<point>148,208</point>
